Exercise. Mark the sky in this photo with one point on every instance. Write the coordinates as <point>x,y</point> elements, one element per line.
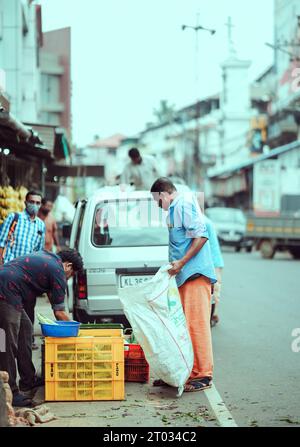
<point>128,55</point>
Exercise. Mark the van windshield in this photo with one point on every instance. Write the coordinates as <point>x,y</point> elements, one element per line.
<point>129,223</point>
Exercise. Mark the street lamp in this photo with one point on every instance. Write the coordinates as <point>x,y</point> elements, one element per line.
<point>197,131</point>
<point>197,28</point>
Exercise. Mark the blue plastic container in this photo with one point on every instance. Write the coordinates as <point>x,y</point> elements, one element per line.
<point>61,329</point>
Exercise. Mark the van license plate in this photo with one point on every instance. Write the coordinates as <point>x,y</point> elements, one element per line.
<point>129,281</point>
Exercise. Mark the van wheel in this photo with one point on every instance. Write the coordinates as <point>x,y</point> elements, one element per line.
<point>267,249</point>
<point>295,252</point>
<point>80,316</point>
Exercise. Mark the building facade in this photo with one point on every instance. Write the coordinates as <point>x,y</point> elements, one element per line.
<point>97,164</point>
<point>35,74</point>
<point>55,80</point>
<point>276,124</point>
<point>20,39</point>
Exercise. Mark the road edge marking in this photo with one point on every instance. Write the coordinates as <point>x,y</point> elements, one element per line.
<point>218,406</point>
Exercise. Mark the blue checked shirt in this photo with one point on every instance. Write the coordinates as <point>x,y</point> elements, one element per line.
<point>29,236</point>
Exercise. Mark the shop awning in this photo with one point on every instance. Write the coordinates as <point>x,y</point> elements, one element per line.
<point>75,171</point>
<point>7,120</point>
<point>62,150</point>
<point>20,139</point>
<point>227,171</point>
<point>229,186</point>
<point>54,139</point>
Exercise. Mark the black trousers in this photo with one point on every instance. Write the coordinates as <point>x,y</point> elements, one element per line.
<point>18,342</point>
<point>29,309</point>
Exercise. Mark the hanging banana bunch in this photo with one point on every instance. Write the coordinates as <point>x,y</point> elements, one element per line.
<point>11,201</point>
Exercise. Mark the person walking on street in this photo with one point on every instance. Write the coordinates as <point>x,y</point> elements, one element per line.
<point>218,264</point>
<point>21,280</point>
<point>22,234</point>
<point>190,256</point>
<point>46,216</point>
<point>140,171</point>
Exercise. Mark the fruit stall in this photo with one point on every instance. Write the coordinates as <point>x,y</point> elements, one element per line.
<point>11,201</point>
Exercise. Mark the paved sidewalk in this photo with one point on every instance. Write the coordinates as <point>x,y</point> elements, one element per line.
<point>144,405</point>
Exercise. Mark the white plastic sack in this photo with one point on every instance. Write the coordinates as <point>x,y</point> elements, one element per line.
<point>156,315</point>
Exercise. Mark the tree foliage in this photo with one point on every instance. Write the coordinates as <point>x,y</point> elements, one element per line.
<point>165,112</point>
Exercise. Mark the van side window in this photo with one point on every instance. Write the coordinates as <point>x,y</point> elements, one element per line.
<point>101,234</point>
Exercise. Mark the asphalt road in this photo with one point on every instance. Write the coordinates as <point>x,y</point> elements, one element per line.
<point>256,371</point>
<point>257,375</point>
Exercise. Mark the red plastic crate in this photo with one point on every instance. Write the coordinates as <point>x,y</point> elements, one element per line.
<point>133,352</point>
<point>137,370</point>
<point>136,366</point>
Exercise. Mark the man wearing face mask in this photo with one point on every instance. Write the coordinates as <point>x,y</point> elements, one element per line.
<point>22,233</point>
<point>21,281</point>
<point>192,265</point>
<point>51,226</point>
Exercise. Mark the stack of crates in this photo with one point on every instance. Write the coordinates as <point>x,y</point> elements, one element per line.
<point>84,368</point>
<point>136,366</point>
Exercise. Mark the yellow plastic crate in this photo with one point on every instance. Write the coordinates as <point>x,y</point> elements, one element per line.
<point>84,368</point>
<point>100,333</point>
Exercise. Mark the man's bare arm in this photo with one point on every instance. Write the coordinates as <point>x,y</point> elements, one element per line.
<point>55,237</point>
<point>196,246</point>
<point>61,315</point>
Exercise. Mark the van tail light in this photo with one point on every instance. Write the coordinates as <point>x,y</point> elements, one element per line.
<point>82,285</point>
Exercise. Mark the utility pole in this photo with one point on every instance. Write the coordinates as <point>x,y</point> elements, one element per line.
<point>196,151</point>
<point>232,53</point>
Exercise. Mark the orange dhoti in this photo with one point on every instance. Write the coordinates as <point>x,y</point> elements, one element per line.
<point>196,302</point>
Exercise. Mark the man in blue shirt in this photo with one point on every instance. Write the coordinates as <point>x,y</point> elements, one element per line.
<point>21,281</point>
<point>190,255</point>
<point>27,237</point>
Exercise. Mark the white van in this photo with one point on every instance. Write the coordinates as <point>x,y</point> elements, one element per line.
<point>123,240</point>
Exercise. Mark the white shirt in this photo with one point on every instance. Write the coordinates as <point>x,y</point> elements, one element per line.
<point>143,175</point>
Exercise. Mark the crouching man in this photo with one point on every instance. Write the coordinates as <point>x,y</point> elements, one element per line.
<point>21,281</point>
<point>190,256</point>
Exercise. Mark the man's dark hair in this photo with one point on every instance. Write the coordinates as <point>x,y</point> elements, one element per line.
<point>33,193</point>
<point>134,153</point>
<point>72,255</point>
<point>163,184</point>
<point>46,200</point>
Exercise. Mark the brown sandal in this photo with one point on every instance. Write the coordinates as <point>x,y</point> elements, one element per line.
<point>197,385</point>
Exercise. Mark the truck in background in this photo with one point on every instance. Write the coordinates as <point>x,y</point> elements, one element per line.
<point>271,234</point>
<point>274,223</point>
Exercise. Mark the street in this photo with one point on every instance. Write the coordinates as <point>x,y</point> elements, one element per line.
<point>256,371</point>
<point>256,381</point>
<point>107,174</point>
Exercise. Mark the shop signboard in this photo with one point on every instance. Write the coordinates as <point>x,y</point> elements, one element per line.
<point>266,187</point>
